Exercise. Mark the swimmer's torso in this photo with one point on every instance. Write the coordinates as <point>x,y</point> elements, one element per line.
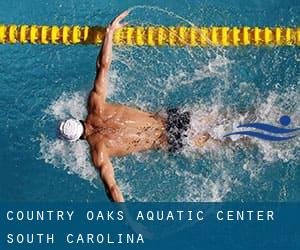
<point>124,130</point>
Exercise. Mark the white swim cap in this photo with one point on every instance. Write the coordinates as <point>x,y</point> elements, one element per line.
<point>70,130</point>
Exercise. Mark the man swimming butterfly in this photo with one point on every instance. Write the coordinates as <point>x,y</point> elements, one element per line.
<point>117,130</point>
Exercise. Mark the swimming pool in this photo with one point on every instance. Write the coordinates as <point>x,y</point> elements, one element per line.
<point>42,84</point>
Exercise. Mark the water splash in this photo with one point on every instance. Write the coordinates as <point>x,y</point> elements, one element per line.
<point>192,185</point>
<point>211,84</point>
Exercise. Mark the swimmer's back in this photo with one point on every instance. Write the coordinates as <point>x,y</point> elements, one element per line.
<point>126,130</point>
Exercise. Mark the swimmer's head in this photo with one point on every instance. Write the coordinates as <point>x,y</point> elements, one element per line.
<point>70,130</point>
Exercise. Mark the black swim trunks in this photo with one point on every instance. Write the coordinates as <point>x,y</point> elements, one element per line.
<point>177,125</point>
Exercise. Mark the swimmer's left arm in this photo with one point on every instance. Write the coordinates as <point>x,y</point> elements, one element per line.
<point>105,56</point>
<point>103,164</point>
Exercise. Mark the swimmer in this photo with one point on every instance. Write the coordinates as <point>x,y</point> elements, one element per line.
<point>114,130</point>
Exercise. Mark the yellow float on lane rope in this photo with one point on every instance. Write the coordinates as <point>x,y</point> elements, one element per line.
<point>152,35</point>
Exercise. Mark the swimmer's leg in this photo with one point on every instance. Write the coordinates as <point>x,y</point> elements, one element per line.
<point>200,140</point>
<point>203,138</point>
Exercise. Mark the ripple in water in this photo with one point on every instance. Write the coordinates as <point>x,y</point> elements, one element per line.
<point>201,81</point>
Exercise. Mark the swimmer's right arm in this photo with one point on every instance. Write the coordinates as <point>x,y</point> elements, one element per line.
<point>105,56</point>
<point>103,164</point>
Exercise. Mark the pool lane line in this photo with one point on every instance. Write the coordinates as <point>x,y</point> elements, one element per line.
<point>152,35</point>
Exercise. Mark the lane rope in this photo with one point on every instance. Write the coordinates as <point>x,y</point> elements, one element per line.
<point>152,35</point>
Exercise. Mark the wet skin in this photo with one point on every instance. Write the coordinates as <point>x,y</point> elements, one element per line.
<point>123,130</point>
<point>113,129</point>
<point>118,130</point>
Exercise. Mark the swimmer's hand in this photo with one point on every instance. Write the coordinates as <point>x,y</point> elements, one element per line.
<point>105,57</point>
<point>115,24</point>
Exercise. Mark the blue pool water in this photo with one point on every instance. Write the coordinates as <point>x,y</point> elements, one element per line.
<point>42,84</point>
